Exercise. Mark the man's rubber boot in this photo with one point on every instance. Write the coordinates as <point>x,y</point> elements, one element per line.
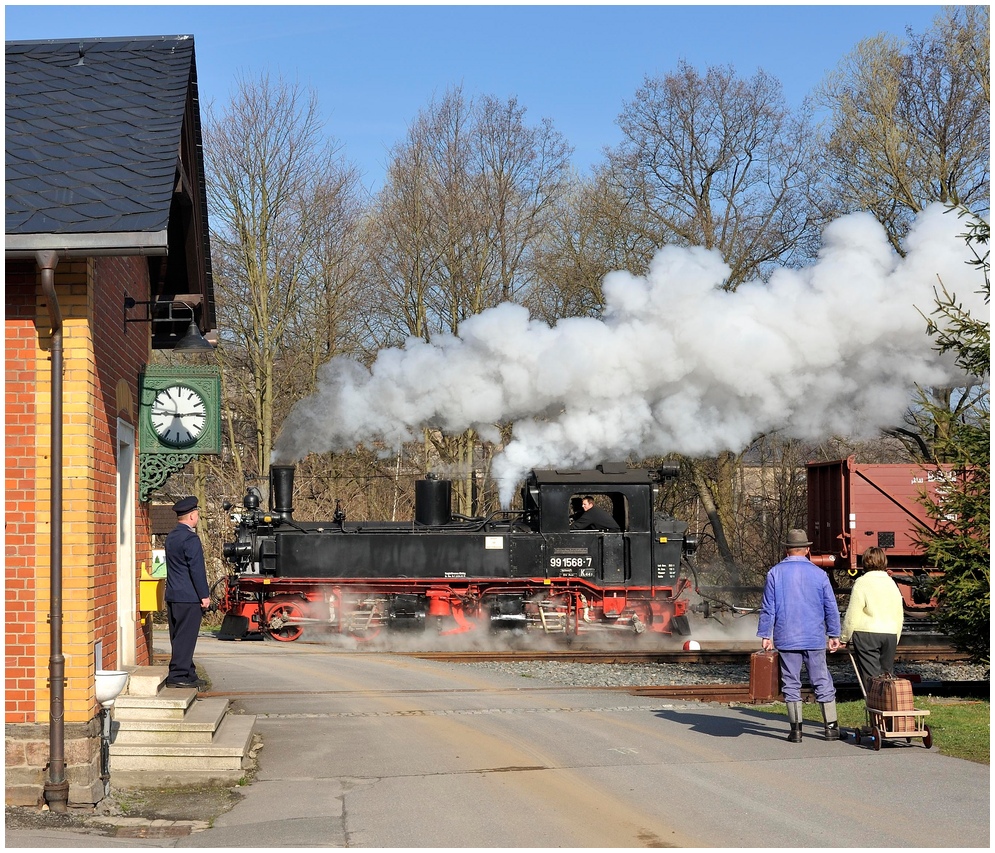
<point>795,720</point>
<point>833,730</point>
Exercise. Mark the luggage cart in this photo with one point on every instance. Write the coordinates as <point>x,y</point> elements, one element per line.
<point>879,723</point>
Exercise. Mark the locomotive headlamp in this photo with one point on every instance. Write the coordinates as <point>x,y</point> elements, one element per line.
<point>667,471</point>
<point>691,543</point>
<point>236,551</point>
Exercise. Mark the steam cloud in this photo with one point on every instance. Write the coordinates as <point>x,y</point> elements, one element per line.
<point>676,365</point>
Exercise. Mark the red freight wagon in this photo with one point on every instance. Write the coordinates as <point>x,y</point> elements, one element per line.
<point>852,507</point>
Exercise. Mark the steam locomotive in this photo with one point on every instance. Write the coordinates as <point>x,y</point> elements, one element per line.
<point>525,570</point>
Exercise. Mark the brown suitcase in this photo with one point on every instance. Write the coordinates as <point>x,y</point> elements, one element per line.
<point>887,693</point>
<point>765,677</point>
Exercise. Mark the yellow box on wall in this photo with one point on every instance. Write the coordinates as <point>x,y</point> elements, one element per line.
<point>151,594</point>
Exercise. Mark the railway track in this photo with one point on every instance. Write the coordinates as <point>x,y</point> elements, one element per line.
<point>846,692</point>
<point>918,653</point>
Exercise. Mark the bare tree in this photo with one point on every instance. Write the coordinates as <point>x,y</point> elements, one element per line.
<point>469,195</point>
<point>718,161</point>
<point>284,212</point>
<point>586,239</point>
<point>911,121</point>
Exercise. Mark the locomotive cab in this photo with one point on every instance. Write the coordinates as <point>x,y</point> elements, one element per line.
<point>645,550</point>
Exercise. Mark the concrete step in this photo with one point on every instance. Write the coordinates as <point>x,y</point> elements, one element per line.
<point>225,753</point>
<point>145,680</point>
<point>171,703</point>
<point>197,725</point>
<point>163,737</point>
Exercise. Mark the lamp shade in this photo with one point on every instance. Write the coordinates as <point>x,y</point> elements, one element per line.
<point>193,341</point>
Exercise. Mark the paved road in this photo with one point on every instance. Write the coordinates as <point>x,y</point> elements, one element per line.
<point>391,751</point>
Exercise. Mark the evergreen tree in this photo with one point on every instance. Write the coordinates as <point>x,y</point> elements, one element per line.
<point>960,544</point>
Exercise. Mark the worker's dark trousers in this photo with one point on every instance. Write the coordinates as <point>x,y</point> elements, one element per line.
<point>184,626</point>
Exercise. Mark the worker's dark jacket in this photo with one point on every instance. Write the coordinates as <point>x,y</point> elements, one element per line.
<point>595,519</point>
<point>186,576</point>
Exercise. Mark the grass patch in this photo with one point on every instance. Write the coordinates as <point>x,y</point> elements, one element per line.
<point>961,728</point>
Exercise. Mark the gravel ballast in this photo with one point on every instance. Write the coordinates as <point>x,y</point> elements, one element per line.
<point>648,675</point>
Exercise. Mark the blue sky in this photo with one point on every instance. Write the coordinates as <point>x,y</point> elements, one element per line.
<point>374,67</point>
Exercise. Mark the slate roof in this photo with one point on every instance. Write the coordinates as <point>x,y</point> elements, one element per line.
<point>93,137</point>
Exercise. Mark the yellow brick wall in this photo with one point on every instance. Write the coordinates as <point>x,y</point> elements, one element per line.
<point>73,280</point>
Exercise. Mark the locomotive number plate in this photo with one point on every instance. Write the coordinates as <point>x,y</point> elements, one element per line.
<point>572,561</point>
<point>569,562</point>
<point>494,543</point>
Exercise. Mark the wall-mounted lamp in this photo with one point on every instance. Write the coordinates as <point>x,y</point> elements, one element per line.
<point>162,311</point>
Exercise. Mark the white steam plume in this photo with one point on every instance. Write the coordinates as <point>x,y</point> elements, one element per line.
<point>677,365</point>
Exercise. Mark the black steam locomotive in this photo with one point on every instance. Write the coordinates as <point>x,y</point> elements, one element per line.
<point>528,570</point>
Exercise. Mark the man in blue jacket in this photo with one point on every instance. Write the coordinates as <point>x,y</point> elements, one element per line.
<point>797,614</point>
<point>187,593</point>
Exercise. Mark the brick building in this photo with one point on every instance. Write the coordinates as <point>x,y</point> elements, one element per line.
<point>105,202</point>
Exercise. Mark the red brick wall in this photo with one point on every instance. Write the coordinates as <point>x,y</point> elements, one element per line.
<point>100,384</point>
<point>121,351</point>
<point>19,513</point>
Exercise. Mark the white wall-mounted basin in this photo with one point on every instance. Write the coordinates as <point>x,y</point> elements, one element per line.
<point>110,683</point>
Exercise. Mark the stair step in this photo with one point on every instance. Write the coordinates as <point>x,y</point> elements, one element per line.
<point>146,680</point>
<point>225,752</point>
<point>169,704</point>
<point>197,725</point>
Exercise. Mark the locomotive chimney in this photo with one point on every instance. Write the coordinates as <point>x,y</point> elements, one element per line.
<point>281,491</point>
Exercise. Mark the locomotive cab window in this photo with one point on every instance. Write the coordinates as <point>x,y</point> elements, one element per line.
<point>594,511</point>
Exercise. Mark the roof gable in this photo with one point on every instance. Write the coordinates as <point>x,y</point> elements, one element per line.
<point>93,133</point>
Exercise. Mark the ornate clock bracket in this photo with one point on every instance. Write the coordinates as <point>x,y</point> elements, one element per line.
<point>154,470</point>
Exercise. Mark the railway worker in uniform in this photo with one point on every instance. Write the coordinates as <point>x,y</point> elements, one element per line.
<point>872,625</point>
<point>797,614</point>
<point>187,593</point>
<point>594,517</point>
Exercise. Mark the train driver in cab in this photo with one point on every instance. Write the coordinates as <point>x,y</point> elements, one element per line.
<point>593,517</point>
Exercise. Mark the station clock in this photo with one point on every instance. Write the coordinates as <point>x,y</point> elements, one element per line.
<point>179,418</point>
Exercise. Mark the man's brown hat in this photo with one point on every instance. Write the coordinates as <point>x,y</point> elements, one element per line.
<point>797,538</point>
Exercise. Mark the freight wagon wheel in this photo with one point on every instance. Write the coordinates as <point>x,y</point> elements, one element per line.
<point>283,618</point>
<point>876,734</point>
<point>927,740</point>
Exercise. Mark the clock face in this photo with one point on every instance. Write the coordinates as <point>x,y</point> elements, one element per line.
<point>178,415</point>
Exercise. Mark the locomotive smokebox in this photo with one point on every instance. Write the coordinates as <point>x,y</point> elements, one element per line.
<point>281,491</point>
<point>433,501</point>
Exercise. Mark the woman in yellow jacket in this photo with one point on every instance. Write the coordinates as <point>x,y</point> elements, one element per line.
<point>874,616</point>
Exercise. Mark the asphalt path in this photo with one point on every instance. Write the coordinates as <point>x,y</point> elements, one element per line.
<point>389,751</point>
<point>393,751</point>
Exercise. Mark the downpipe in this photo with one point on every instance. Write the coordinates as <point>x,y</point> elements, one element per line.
<point>56,790</point>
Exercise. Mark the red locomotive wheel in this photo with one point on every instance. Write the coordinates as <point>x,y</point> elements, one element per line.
<point>283,617</point>
<point>364,635</point>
